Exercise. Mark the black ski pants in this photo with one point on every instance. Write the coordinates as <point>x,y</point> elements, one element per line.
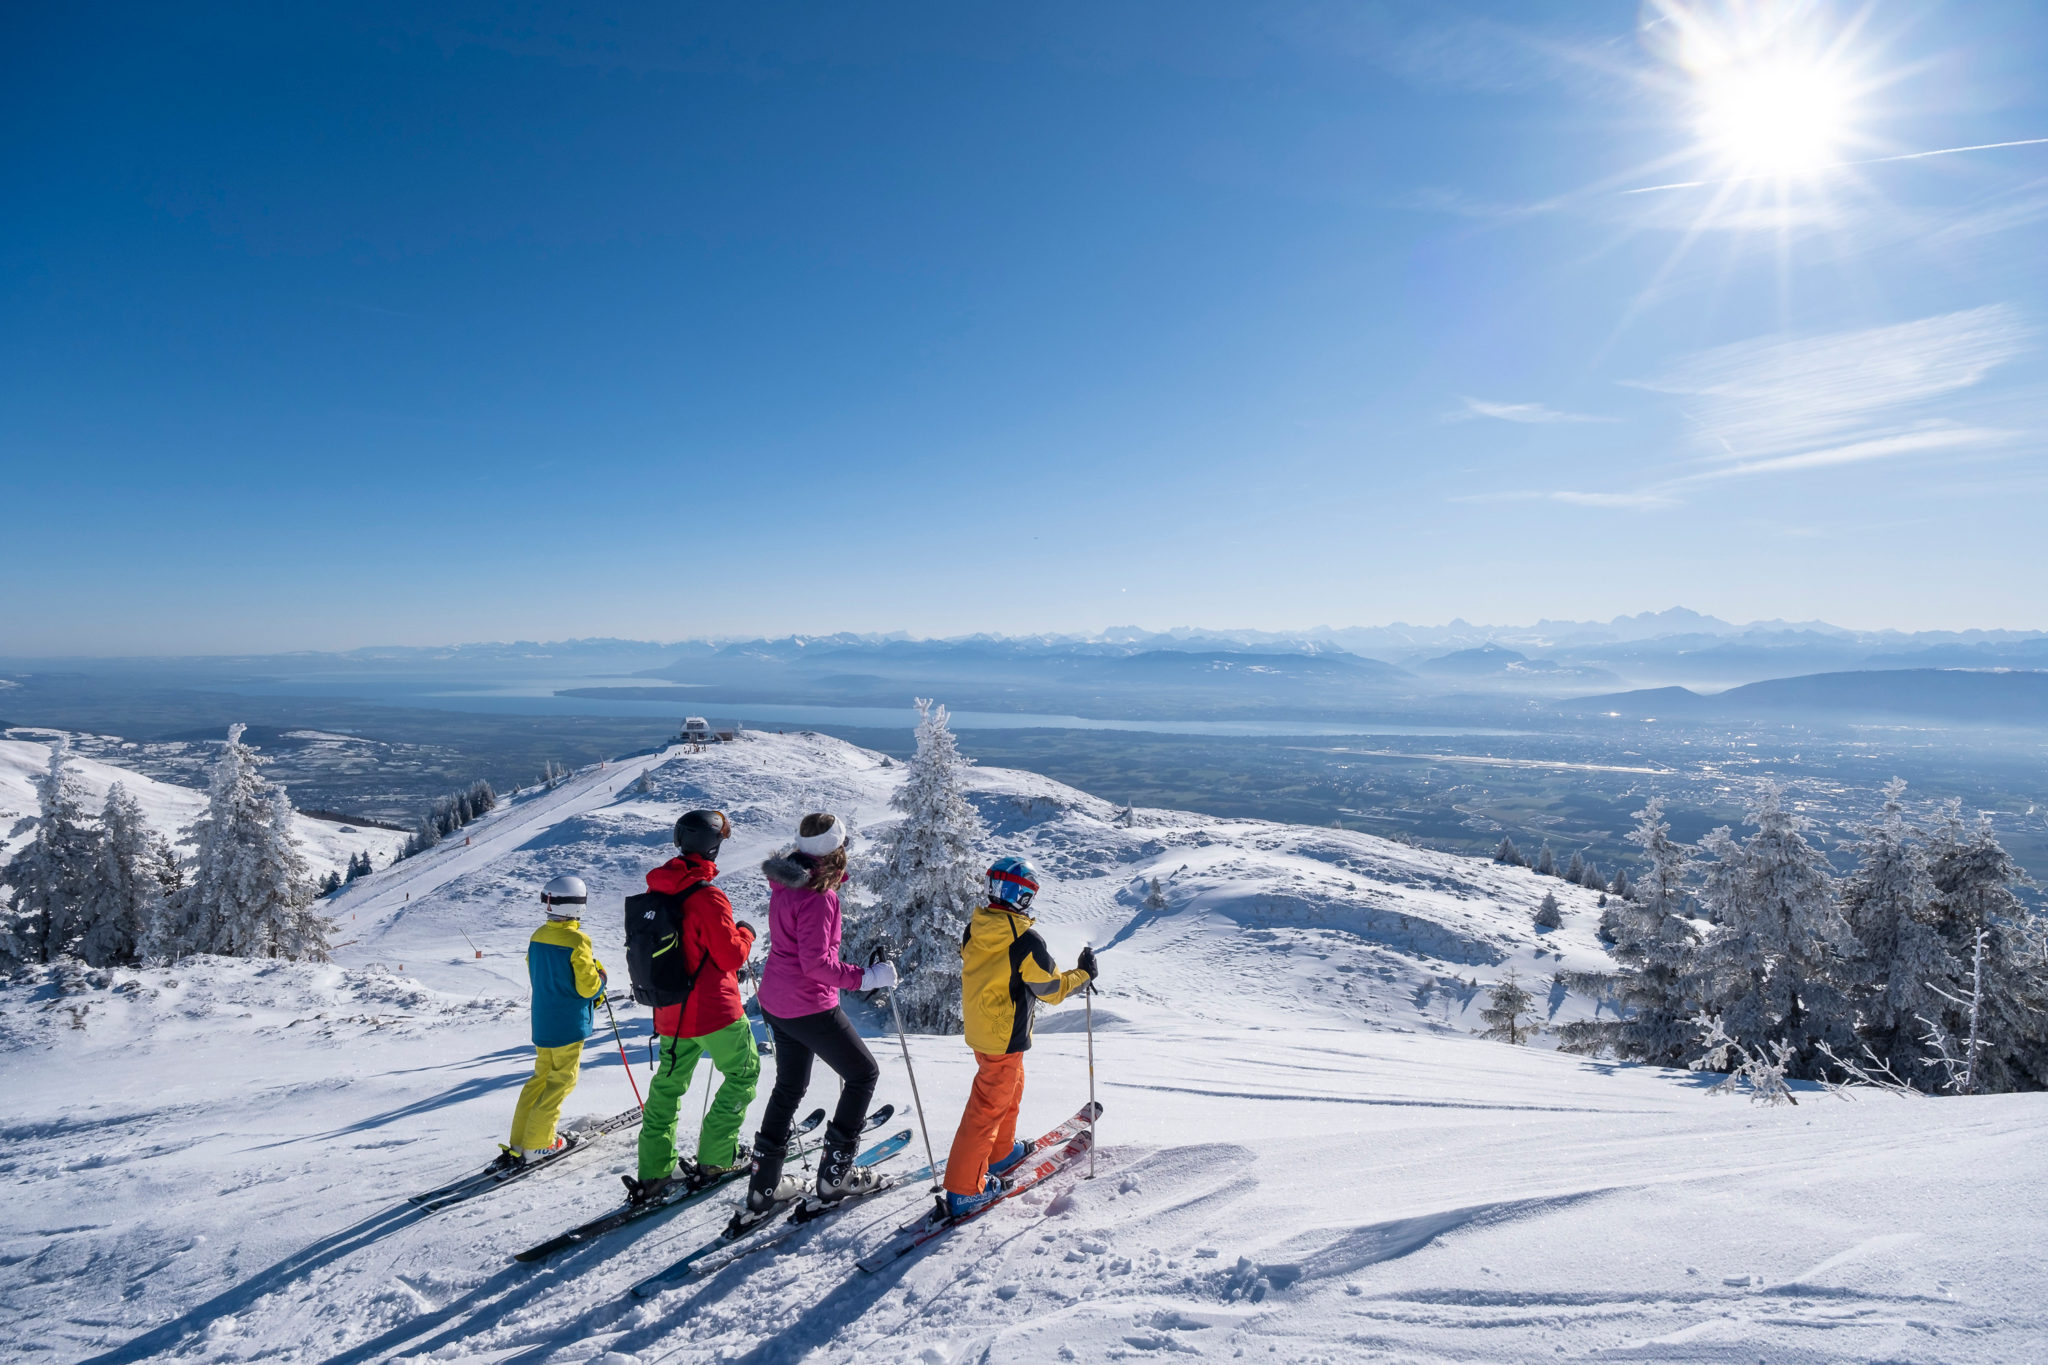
<point>829,1036</point>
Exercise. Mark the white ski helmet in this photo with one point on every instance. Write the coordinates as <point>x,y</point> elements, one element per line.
<point>565,898</point>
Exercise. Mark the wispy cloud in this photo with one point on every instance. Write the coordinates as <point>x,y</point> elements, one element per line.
<point>1775,406</point>
<point>1753,401</point>
<point>1532,414</point>
<point>1932,437</point>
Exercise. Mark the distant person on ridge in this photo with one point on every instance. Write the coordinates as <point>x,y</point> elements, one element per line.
<point>711,948</point>
<point>1005,970</point>
<point>566,977</point>
<point>799,999</point>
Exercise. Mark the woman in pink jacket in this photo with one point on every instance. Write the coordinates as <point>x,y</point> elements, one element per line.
<point>799,998</point>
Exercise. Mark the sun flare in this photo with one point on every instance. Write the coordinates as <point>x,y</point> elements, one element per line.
<point>1772,88</point>
<point>1778,115</point>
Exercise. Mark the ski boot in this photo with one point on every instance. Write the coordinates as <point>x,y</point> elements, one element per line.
<point>839,1178</point>
<point>658,1190</point>
<point>1018,1152</point>
<point>701,1175</point>
<point>768,1189</point>
<point>532,1154</point>
<point>958,1206</point>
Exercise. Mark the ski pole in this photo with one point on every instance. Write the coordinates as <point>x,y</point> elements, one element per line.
<point>931,1161</point>
<point>617,1038</point>
<point>1088,1005</point>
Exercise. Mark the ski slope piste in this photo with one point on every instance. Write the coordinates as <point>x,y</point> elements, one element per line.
<point>1304,1153</point>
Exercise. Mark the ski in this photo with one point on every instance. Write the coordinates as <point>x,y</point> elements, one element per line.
<point>1050,1162</point>
<point>633,1213</point>
<point>504,1172</point>
<point>765,1232</point>
<point>1083,1117</point>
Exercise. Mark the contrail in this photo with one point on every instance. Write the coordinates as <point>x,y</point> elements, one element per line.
<point>1841,165</point>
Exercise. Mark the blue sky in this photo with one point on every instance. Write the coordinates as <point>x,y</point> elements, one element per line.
<point>332,326</point>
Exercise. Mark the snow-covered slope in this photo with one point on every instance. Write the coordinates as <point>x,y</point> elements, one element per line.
<point>168,807</point>
<point>1305,1155</point>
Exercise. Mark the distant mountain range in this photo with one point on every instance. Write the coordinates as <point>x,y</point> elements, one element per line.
<point>1946,696</point>
<point>1457,671</point>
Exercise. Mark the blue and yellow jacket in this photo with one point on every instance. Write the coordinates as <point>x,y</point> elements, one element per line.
<point>566,977</point>
<point>1005,970</point>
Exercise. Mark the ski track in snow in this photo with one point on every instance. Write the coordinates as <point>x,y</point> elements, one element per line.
<point>1305,1156</point>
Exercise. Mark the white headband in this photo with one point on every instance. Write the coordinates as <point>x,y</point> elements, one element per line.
<point>818,845</point>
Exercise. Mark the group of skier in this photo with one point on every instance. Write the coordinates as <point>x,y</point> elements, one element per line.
<point>683,935</point>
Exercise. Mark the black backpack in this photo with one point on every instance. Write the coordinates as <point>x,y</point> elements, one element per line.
<point>654,947</point>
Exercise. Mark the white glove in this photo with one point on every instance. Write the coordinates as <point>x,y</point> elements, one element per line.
<point>879,977</point>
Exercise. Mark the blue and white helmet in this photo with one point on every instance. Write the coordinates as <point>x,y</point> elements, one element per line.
<point>1013,882</point>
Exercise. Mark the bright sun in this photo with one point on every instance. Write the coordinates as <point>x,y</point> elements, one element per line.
<point>1774,115</point>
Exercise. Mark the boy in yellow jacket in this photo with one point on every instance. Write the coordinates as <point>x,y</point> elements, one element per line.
<point>566,978</point>
<point>1005,971</point>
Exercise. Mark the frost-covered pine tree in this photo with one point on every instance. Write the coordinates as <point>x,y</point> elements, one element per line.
<point>121,904</point>
<point>1509,1012</point>
<point>1507,854</point>
<point>250,894</point>
<point>1906,971</point>
<point>1548,916</point>
<point>1546,861</point>
<point>2007,1011</point>
<point>1591,879</point>
<point>1575,870</point>
<point>928,876</point>
<point>1621,886</point>
<point>1773,968</point>
<point>1155,895</point>
<point>1652,942</point>
<point>52,873</point>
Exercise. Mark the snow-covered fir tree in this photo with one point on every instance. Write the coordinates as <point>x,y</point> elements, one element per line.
<point>1907,971</point>
<point>928,876</point>
<point>51,875</point>
<point>1508,854</point>
<point>250,894</point>
<point>1155,895</point>
<point>122,903</point>
<point>1548,916</point>
<point>1772,968</point>
<point>1974,880</point>
<point>1621,886</point>
<point>1591,879</point>
<point>1546,861</point>
<point>1575,870</point>
<point>1509,1012</point>
<point>1652,940</point>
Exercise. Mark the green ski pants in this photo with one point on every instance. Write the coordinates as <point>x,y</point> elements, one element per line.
<point>732,1052</point>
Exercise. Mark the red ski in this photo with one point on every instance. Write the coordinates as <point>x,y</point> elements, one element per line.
<point>1049,1162</point>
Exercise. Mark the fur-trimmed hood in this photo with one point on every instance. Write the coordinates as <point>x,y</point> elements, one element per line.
<point>788,868</point>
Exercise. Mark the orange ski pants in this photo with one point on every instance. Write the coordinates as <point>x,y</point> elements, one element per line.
<point>989,1127</point>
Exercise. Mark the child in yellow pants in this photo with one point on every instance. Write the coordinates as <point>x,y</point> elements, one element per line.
<point>566,977</point>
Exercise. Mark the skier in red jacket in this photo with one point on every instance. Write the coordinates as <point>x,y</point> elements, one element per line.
<point>710,1023</point>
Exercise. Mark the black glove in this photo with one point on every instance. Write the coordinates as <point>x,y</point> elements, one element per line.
<point>880,954</point>
<point>1086,963</point>
<point>742,924</point>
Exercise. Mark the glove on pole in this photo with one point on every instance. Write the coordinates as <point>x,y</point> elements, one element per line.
<point>881,954</point>
<point>620,1040</point>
